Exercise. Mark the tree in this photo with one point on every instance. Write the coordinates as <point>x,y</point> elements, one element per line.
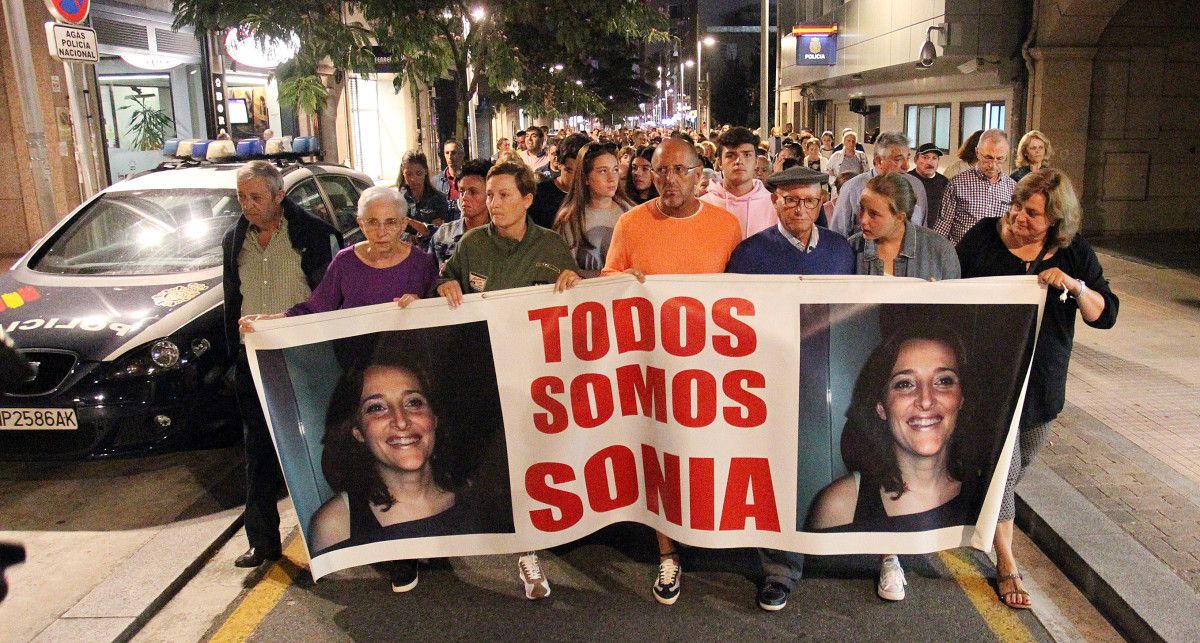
<point>530,51</point>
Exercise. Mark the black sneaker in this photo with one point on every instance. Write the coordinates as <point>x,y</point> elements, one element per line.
<point>772,596</point>
<point>404,575</point>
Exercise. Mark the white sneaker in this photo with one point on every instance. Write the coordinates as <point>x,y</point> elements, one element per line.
<point>530,573</point>
<point>891,579</point>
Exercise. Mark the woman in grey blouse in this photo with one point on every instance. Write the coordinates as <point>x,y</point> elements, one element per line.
<point>890,244</point>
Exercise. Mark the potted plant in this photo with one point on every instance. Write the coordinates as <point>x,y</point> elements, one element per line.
<point>148,125</point>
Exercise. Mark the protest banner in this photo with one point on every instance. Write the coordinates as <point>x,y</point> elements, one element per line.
<point>722,410</point>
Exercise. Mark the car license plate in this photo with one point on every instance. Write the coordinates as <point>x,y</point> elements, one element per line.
<point>38,420</point>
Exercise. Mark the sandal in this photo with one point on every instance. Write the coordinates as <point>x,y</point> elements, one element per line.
<point>1011,599</point>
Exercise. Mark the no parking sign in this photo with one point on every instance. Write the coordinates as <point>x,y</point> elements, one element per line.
<point>72,11</point>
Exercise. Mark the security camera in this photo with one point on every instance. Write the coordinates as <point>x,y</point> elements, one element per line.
<point>928,52</point>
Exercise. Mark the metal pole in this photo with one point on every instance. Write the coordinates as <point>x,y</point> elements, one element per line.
<point>764,42</point>
<point>473,100</point>
<point>83,146</point>
<point>31,109</point>
<point>699,66</point>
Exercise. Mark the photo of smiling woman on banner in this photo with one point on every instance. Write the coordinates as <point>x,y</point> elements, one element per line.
<point>905,440</point>
<point>381,455</point>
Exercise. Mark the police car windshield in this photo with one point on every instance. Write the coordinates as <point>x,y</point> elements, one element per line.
<point>145,232</point>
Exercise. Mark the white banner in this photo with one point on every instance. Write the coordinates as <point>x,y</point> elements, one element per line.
<point>824,415</point>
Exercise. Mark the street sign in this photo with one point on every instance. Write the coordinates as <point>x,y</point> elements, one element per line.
<point>71,43</point>
<point>72,11</point>
<point>815,44</point>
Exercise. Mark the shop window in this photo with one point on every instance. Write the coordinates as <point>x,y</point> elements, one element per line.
<point>246,105</point>
<point>928,124</point>
<point>977,116</point>
<point>364,105</point>
<point>126,100</point>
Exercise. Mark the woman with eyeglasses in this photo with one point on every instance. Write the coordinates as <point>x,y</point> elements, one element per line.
<point>1040,236</point>
<point>593,205</point>
<point>381,269</point>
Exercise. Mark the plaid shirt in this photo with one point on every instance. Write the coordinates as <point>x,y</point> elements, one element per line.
<point>970,197</point>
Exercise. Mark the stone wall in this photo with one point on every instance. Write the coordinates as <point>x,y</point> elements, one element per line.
<point>1144,131</point>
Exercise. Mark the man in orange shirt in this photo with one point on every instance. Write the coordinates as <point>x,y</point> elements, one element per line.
<point>675,233</point>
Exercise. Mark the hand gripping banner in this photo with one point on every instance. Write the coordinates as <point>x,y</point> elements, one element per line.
<point>829,415</point>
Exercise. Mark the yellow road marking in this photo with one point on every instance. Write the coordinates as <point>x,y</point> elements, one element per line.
<point>265,596</point>
<point>1000,619</point>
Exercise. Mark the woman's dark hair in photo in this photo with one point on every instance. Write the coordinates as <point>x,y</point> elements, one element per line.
<point>867,442</point>
<point>347,463</point>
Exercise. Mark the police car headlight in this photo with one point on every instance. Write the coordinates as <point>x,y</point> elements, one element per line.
<point>164,353</point>
<point>159,357</point>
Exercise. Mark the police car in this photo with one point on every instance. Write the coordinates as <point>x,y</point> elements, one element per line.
<point>119,311</point>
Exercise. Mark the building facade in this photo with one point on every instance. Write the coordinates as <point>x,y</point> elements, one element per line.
<point>1110,82</point>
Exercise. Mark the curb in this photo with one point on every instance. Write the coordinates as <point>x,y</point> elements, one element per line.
<point>1140,595</point>
<point>185,575</point>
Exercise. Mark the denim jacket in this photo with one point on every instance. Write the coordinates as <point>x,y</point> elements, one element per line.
<point>923,254</point>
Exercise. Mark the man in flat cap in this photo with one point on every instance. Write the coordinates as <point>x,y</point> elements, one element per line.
<point>796,245</point>
<point>926,171</point>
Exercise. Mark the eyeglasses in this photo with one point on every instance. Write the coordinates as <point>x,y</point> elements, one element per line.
<point>382,223</point>
<point>809,203</point>
<point>680,171</point>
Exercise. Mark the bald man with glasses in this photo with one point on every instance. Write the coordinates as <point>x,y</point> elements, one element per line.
<point>675,233</point>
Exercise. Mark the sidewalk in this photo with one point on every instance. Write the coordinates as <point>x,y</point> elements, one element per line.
<point>1115,500</point>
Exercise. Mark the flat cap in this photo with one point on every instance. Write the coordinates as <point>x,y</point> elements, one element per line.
<point>797,174</point>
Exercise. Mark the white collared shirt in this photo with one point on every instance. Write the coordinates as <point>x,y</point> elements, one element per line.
<point>812,238</point>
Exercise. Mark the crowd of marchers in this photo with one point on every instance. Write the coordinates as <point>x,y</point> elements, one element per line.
<point>576,205</point>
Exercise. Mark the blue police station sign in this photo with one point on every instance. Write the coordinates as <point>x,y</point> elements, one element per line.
<point>815,44</point>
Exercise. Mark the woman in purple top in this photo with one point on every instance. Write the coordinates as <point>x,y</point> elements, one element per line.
<point>381,269</point>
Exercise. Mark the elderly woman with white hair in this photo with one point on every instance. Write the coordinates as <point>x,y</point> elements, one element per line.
<point>381,269</point>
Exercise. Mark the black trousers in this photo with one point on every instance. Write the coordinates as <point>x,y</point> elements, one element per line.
<point>264,480</point>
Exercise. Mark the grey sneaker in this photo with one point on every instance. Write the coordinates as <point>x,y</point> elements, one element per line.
<point>536,585</point>
<point>891,579</point>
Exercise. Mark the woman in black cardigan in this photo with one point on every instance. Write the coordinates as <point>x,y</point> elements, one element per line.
<point>1039,236</point>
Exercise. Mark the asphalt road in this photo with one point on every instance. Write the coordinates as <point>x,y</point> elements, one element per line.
<point>601,588</point>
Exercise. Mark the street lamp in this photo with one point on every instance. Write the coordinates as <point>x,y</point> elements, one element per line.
<point>708,41</point>
<point>478,13</point>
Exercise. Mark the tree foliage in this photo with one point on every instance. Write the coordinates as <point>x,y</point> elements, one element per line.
<point>530,51</point>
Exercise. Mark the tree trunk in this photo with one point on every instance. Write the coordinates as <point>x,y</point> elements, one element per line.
<point>461,111</point>
<point>327,120</point>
